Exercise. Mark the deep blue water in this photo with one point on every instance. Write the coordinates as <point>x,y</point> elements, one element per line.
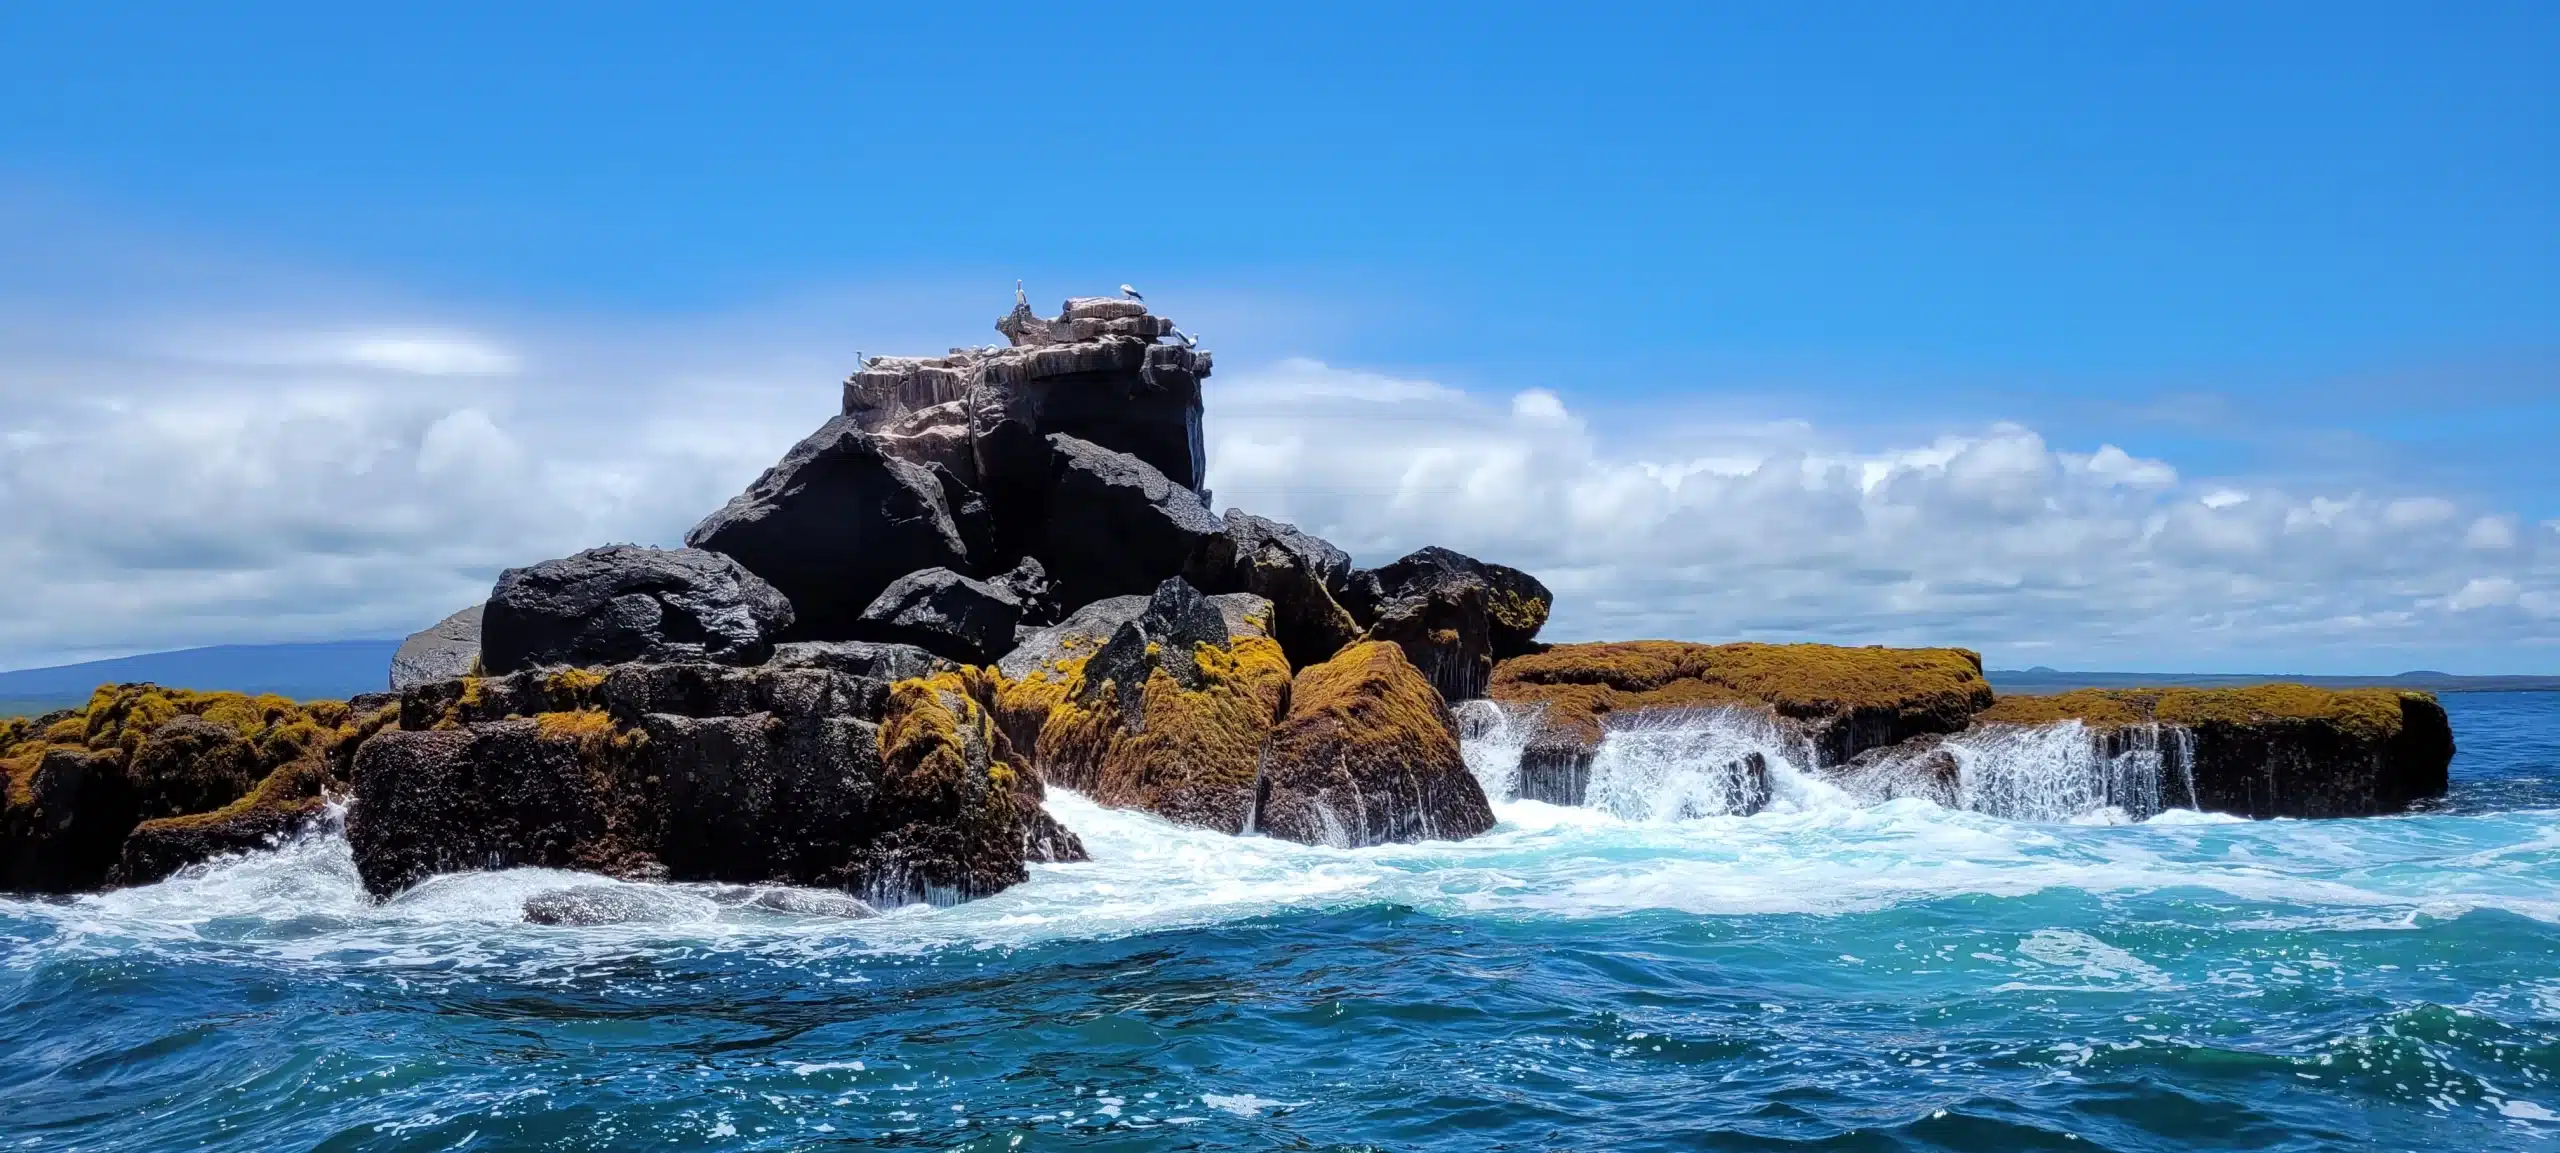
<point>1830,975</point>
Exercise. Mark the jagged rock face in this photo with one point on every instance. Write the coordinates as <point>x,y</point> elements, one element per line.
<point>1115,525</point>
<point>630,603</point>
<point>1168,716</point>
<point>1301,574</point>
<point>1054,647</point>
<point>945,613</point>
<point>833,523</point>
<point>1367,755</point>
<point>143,781</point>
<point>441,651</point>
<point>1029,584</point>
<point>882,662</point>
<point>803,775</point>
<point>1454,615</point>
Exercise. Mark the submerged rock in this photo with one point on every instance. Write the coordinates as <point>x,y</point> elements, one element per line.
<point>1453,615</point>
<point>833,523</point>
<point>584,905</point>
<point>1367,755</point>
<point>630,603</point>
<point>442,651</point>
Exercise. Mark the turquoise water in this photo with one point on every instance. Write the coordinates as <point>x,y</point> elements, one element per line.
<point>1825,975</point>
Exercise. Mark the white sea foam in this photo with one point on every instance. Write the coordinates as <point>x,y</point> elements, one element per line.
<point>1814,849</point>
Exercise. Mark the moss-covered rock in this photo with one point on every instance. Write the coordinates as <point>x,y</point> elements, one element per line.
<point>2277,750</point>
<point>1168,716</point>
<point>79,784</point>
<point>1843,700</point>
<point>1453,615</point>
<point>702,772</point>
<point>1368,754</point>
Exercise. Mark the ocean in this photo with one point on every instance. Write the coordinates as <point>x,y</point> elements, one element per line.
<point>2074,973</point>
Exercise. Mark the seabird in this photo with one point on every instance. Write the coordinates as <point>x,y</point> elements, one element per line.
<point>1132,294</point>
<point>1189,339</point>
<point>1019,300</point>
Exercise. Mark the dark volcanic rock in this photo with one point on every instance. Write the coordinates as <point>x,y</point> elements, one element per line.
<point>1453,615</point>
<point>1368,754</point>
<point>1086,630</point>
<point>629,603</point>
<point>1115,525</point>
<point>833,523</point>
<point>702,772</point>
<point>939,610</point>
<point>1031,587</point>
<point>1176,620</point>
<point>442,651</point>
<point>884,662</point>
<point>1302,576</point>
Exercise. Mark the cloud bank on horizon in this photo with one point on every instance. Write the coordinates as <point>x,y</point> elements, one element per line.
<point>251,477</point>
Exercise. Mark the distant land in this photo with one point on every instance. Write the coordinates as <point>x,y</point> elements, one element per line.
<point>339,669</point>
<point>330,670</point>
<point>2044,680</point>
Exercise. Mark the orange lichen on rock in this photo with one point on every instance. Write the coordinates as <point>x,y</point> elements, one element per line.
<point>1188,754</point>
<point>1368,755</point>
<point>140,753</point>
<point>1582,684</point>
<point>2368,714</point>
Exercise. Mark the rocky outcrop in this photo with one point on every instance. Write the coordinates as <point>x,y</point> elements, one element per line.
<point>945,613</point>
<point>142,781</point>
<point>442,651</point>
<point>801,775</point>
<point>2273,750</point>
<point>1115,525</point>
<point>833,523</point>
<point>1839,701</point>
<point>1055,647</point>
<point>1028,583</point>
<point>1168,716</point>
<point>1367,755</point>
<point>1453,615</point>
<point>630,603</point>
<point>1302,575</point>
<point>882,662</point>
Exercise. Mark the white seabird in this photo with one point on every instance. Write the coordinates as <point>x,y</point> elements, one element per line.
<point>1132,294</point>
<point>1019,300</point>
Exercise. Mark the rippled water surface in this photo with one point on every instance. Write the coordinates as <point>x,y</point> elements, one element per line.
<point>1827,974</point>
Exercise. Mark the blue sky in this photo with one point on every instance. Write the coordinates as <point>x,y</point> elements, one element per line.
<point>2308,250</point>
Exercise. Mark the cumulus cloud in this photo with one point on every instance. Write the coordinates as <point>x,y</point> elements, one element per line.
<point>260,477</point>
<point>1987,536</point>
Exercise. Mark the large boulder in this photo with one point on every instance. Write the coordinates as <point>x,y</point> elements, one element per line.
<point>945,613</point>
<point>1116,525</point>
<point>442,651</point>
<point>1167,716</point>
<point>2278,750</point>
<point>833,523</point>
<point>1453,615</point>
<point>1367,755</point>
<point>1301,574</point>
<point>631,603</point>
<point>1053,647</point>
<point>885,662</point>
<point>700,772</point>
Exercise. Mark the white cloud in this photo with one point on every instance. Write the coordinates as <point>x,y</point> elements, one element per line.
<point>1990,536</point>
<point>251,478</point>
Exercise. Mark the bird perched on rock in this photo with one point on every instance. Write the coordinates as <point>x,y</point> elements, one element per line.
<point>1188,340</point>
<point>1132,294</point>
<point>1019,300</point>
